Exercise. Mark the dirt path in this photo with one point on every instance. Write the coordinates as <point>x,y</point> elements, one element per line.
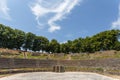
<point>113,76</point>
<point>4,75</point>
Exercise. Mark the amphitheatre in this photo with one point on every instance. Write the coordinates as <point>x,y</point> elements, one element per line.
<point>26,56</point>
<point>30,57</point>
<point>59,39</point>
<point>42,69</point>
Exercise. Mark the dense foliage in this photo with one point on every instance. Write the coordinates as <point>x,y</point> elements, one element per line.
<point>17,39</point>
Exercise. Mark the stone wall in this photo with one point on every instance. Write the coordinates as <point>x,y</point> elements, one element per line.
<point>35,63</point>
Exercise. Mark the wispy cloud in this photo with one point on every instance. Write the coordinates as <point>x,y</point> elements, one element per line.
<point>116,24</point>
<point>58,8</point>
<point>4,10</point>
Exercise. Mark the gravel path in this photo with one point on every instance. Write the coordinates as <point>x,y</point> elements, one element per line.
<point>57,76</point>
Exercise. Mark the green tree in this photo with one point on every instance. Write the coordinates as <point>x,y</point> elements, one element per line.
<point>54,46</point>
<point>64,48</point>
<point>19,39</point>
<point>87,45</point>
<point>2,29</point>
<point>29,39</point>
<point>117,46</point>
<point>40,43</point>
<point>76,45</point>
<point>6,37</point>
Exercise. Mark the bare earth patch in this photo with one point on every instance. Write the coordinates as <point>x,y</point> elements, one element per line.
<point>58,76</point>
<point>114,76</point>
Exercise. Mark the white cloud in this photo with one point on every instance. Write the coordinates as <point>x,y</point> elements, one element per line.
<point>116,24</point>
<point>4,10</point>
<point>63,42</point>
<point>59,9</point>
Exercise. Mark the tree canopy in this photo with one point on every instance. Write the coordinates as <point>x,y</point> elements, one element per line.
<point>17,39</point>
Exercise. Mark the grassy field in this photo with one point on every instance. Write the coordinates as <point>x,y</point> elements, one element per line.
<point>6,53</point>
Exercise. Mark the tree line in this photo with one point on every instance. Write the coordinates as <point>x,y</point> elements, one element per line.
<point>17,39</point>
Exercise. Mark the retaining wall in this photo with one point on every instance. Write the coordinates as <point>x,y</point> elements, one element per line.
<point>35,63</point>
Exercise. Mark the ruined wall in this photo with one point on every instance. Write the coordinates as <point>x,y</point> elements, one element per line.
<point>35,63</point>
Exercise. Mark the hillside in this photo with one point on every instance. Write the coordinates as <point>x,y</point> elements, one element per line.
<point>8,53</point>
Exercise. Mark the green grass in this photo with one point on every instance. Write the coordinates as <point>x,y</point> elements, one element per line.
<point>85,69</point>
<point>78,56</point>
<point>23,70</point>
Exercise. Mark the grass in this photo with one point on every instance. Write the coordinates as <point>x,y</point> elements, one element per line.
<point>97,55</point>
<point>85,69</point>
<point>6,53</point>
<point>4,75</point>
<point>23,70</point>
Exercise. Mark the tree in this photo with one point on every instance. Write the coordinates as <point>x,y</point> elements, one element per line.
<point>6,37</point>
<point>40,43</point>
<point>87,45</point>
<point>105,40</point>
<point>76,45</point>
<point>54,46</point>
<point>2,29</point>
<point>117,46</point>
<point>29,39</point>
<point>19,38</point>
<point>65,48</point>
<point>44,43</point>
<point>9,32</point>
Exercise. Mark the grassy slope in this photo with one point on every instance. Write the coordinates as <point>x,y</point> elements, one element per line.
<point>83,56</point>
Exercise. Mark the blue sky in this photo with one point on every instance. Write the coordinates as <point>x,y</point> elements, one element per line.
<point>61,19</point>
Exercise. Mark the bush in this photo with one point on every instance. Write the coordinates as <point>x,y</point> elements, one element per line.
<point>100,69</point>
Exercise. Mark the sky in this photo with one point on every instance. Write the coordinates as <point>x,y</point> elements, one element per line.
<point>61,19</point>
